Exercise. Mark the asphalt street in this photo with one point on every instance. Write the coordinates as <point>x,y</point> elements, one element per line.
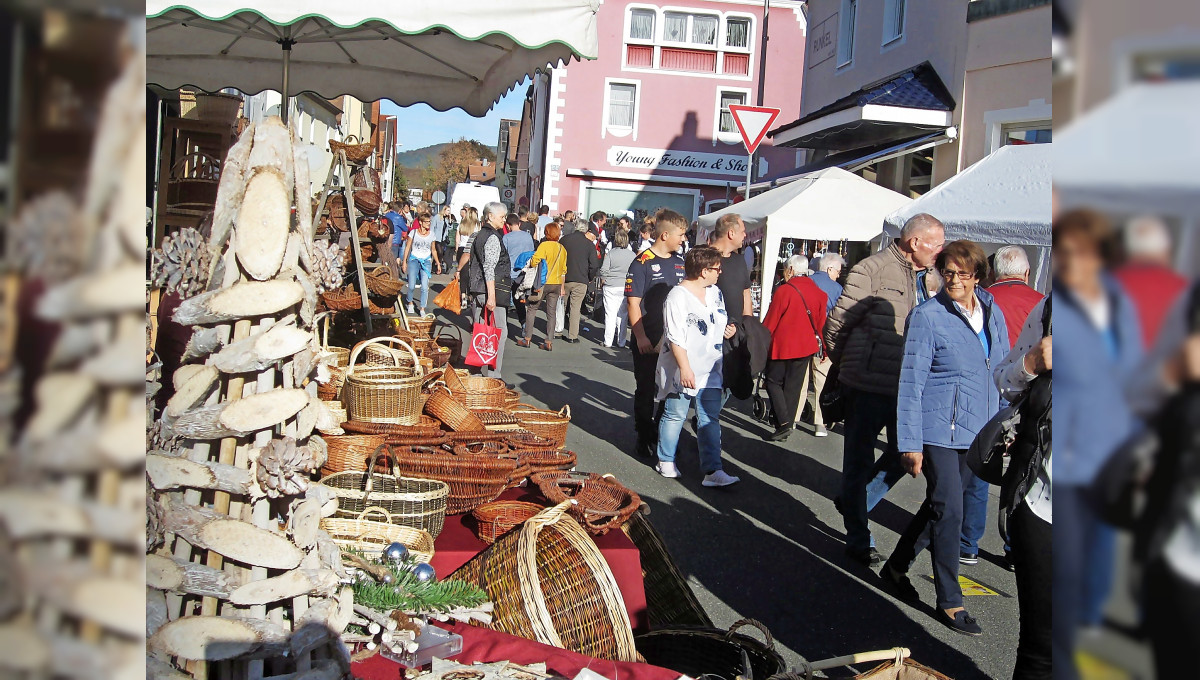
<point>770,547</point>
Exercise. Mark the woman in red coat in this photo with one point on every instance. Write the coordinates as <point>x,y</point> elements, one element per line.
<point>796,320</point>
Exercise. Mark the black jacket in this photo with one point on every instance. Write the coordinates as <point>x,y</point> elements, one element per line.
<point>582,262</point>
<point>746,355</point>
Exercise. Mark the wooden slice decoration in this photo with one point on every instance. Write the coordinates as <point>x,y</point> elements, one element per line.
<point>192,578</point>
<point>264,410</point>
<point>233,538</point>
<point>292,584</point>
<point>262,224</point>
<point>215,638</point>
<point>192,391</point>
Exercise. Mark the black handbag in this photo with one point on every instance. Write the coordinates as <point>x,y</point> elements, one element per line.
<point>833,400</point>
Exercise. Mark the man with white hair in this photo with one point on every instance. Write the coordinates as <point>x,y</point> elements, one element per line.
<point>1011,290</point>
<point>826,279</point>
<point>1147,275</point>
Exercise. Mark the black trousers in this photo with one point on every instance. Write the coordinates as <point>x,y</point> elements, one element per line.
<point>1172,620</point>
<point>1033,557</point>
<point>645,410</point>
<point>785,381</point>
<point>938,524</point>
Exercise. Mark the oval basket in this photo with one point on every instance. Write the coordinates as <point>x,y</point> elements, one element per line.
<point>500,517</point>
<point>380,282</point>
<point>550,583</point>
<point>424,425</point>
<point>524,440</point>
<point>497,420</point>
<point>370,536</point>
<point>356,151</point>
<point>342,299</point>
<point>476,436</point>
<point>549,424</point>
<point>479,392</point>
<point>350,452</point>
<point>547,461</point>
<point>441,405</point>
<point>454,344</point>
<point>408,501</point>
<point>473,480</point>
<point>600,503</point>
<point>697,651</point>
<point>382,394</point>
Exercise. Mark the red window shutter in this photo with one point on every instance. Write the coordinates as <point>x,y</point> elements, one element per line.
<point>737,64</point>
<point>698,61</point>
<point>641,56</point>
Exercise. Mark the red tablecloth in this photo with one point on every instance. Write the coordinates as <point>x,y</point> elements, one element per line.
<point>457,544</point>
<point>486,645</point>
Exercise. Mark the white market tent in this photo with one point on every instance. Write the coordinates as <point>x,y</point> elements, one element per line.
<point>1136,153</point>
<point>1003,199</point>
<point>826,205</point>
<point>465,53</point>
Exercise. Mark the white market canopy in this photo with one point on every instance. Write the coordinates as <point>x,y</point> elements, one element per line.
<point>826,205</point>
<point>1135,153</point>
<point>1004,198</point>
<point>464,53</point>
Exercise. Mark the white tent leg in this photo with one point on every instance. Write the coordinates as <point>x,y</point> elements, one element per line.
<point>770,261</point>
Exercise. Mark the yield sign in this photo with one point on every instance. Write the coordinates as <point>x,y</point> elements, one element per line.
<point>752,122</point>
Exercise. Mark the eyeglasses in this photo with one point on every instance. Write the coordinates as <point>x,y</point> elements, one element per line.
<point>715,269</point>
<point>950,274</point>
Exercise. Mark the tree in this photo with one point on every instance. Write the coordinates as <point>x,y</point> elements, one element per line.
<point>399,182</point>
<point>453,161</point>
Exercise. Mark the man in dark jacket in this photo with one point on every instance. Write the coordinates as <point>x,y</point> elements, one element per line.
<point>582,266</point>
<point>864,337</point>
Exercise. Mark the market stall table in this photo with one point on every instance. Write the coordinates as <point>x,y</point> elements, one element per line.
<point>457,544</point>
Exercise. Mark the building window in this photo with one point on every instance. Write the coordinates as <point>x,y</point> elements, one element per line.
<point>727,98</point>
<point>641,24</point>
<point>893,20</point>
<point>622,104</point>
<point>847,24</point>
<point>737,33</point>
<point>696,29</point>
<point>1025,133</point>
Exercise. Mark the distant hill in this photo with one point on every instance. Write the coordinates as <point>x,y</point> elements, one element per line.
<point>415,158</point>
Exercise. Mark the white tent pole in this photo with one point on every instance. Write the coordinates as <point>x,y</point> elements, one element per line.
<point>770,262</point>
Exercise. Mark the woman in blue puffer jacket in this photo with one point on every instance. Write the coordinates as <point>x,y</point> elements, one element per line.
<point>951,344</point>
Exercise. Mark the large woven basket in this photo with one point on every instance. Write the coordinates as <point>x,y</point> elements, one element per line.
<point>356,151</point>
<point>497,518</point>
<point>441,405</point>
<point>408,501</point>
<point>350,451</point>
<point>421,326</point>
<point>382,394</point>
<point>479,392</point>
<point>424,425</point>
<point>473,480</point>
<point>380,282</point>
<point>547,461</point>
<point>670,601</point>
<point>698,651</point>
<point>599,502</point>
<point>372,536</point>
<point>550,424</point>
<point>454,344</point>
<point>400,354</point>
<point>342,299</point>
<point>549,582</point>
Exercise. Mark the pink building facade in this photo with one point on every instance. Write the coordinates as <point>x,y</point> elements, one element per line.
<point>647,125</point>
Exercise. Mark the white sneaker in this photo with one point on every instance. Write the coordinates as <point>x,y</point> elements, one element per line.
<point>410,309</point>
<point>667,469</point>
<point>719,478</point>
<point>821,431</point>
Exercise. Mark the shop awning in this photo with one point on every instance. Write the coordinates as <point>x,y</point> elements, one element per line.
<point>894,110</point>
<point>466,53</point>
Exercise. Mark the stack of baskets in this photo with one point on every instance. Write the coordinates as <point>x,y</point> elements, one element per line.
<point>414,502</point>
<point>473,480</point>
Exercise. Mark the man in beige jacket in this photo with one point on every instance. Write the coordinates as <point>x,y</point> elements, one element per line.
<point>864,338</point>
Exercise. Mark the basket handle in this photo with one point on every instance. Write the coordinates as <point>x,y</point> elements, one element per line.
<point>385,339</point>
<point>387,518</point>
<point>404,318</point>
<point>757,624</point>
<point>387,453</point>
<point>896,654</point>
<point>444,327</point>
<point>565,410</point>
<point>354,137</point>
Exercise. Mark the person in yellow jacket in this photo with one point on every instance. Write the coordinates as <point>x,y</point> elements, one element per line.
<point>555,257</point>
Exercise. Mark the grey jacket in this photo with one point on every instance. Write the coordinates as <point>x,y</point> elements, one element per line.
<point>864,334</point>
<point>616,266</point>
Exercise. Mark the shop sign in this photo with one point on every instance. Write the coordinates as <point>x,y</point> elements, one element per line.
<point>822,41</point>
<point>676,161</point>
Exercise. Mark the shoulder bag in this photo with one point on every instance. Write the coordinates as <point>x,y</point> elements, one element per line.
<point>540,276</point>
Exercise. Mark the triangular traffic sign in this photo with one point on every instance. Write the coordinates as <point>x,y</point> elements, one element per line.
<point>753,122</point>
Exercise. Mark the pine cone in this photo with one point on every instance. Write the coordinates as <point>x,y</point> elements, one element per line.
<point>327,265</point>
<point>181,265</point>
<point>283,468</point>
<point>163,438</point>
<point>155,515</point>
<point>49,238</point>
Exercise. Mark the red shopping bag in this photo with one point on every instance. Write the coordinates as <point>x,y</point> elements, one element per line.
<point>485,342</point>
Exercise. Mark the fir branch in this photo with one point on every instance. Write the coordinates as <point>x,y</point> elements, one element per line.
<point>406,593</point>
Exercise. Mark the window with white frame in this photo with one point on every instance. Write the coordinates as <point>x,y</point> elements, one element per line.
<point>688,42</point>
<point>725,98</point>
<point>847,22</point>
<point>1033,132</point>
<point>893,20</point>
<point>622,105</point>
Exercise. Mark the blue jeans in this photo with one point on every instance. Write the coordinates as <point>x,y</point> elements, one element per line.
<point>1083,566</point>
<point>866,415</point>
<point>886,476</point>
<point>975,500</point>
<point>419,272</point>
<point>708,434</point>
<point>398,250</point>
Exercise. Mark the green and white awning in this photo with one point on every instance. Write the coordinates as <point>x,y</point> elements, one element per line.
<point>453,53</point>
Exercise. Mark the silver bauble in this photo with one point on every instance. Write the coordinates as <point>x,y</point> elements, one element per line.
<point>395,552</point>
<point>423,572</point>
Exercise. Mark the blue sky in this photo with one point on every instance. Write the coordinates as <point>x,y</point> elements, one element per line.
<point>420,126</point>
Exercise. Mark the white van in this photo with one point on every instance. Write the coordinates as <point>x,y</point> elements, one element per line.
<point>473,194</point>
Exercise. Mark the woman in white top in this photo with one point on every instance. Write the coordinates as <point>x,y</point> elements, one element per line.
<point>419,260</point>
<point>689,365</point>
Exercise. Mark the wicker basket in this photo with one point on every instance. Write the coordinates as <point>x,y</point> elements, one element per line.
<point>522,441</point>
<point>380,282</point>
<point>511,398</point>
<point>424,425</point>
<point>440,357</point>
<point>670,601</point>
<point>417,503</point>
<point>473,480</point>
<point>897,666</point>
<point>550,424</point>
<point>454,344</point>
<point>356,151</point>
<point>476,436</point>
<point>500,517</point>
<point>547,461</point>
<point>521,406</point>
<point>497,420</point>
<point>381,394</point>
<point>478,392</point>
<point>441,405</point>
<point>600,503</point>
<point>370,536</point>
<point>695,651</point>
<point>344,299</point>
<point>337,409</point>
<point>350,452</point>
<point>421,326</point>
<point>550,583</point>
<point>217,107</point>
